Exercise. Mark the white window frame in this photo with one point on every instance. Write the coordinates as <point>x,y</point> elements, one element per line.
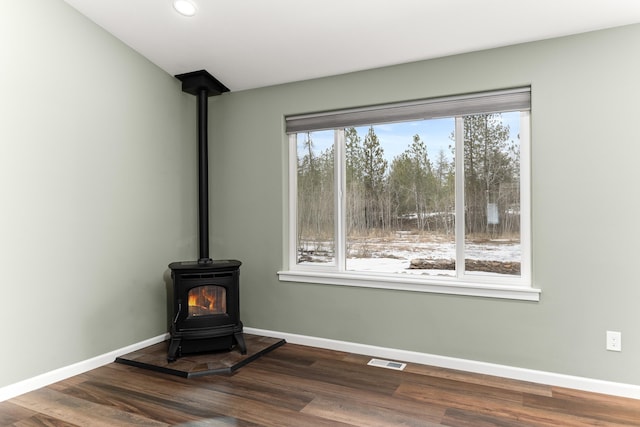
<point>519,288</point>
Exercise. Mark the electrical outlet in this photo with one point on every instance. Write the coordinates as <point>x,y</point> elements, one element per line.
<point>614,341</point>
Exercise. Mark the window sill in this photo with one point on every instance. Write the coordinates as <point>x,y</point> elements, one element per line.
<point>421,284</point>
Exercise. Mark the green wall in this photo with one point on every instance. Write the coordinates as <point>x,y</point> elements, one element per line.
<point>97,195</point>
<point>97,147</point>
<point>585,233</point>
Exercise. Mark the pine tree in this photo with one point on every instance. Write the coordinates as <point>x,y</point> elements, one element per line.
<point>354,163</point>
<point>374,174</point>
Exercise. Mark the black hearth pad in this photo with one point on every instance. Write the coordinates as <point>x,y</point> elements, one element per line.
<point>195,365</point>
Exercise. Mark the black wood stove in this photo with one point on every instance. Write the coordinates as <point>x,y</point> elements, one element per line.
<point>206,308</point>
<point>206,293</point>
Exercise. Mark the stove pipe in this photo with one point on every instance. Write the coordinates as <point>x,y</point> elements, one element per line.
<point>203,85</point>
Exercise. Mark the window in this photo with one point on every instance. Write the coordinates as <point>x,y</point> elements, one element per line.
<point>431,195</point>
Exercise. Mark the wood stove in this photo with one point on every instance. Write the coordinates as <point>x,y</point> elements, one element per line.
<point>206,293</point>
<point>206,308</point>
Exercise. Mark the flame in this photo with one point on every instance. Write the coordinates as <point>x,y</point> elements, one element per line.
<point>206,300</point>
<point>202,299</point>
<point>193,300</point>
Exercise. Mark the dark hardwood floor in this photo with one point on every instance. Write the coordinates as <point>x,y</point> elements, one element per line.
<point>303,386</point>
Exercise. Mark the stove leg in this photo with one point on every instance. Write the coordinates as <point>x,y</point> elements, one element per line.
<point>174,346</point>
<point>240,341</point>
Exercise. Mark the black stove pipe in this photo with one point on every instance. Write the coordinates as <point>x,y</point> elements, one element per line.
<point>202,85</point>
<point>203,176</point>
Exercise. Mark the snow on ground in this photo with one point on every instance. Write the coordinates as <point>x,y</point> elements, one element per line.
<point>394,256</point>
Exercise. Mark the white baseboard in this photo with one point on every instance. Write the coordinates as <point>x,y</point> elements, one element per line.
<point>540,377</point>
<point>51,377</point>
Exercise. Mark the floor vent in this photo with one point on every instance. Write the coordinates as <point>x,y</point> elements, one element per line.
<point>387,364</point>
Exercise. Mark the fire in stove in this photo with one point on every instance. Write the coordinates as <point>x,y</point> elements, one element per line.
<point>207,300</point>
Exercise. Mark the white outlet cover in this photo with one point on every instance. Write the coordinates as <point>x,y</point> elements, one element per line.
<point>614,341</point>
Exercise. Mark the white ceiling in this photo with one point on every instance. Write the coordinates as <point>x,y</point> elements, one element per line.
<point>254,43</point>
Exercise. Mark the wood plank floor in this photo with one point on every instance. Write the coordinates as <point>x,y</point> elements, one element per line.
<point>303,386</point>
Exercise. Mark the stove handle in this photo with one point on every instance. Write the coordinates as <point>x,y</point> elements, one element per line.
<point>175,321</point>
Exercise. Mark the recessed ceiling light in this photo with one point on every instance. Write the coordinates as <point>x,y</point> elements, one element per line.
<point>185,7</point>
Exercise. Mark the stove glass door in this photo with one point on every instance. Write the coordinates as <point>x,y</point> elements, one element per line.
<point>207,300</point>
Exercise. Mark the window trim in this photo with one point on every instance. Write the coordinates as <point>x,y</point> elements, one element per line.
<point>461,284</point>
<point>410,283</point>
